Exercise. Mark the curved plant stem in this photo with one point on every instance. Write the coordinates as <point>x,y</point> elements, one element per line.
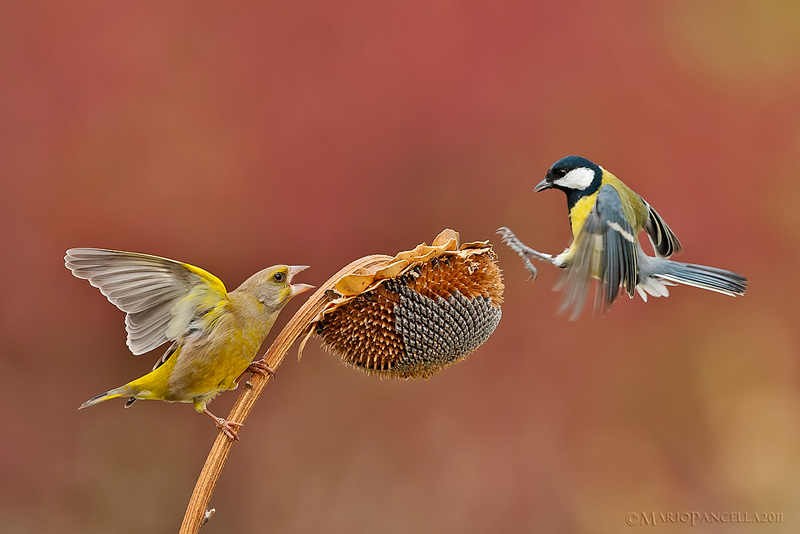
<point>277,351</point>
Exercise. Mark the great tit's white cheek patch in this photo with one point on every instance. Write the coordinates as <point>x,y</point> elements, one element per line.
<point>579,179</point>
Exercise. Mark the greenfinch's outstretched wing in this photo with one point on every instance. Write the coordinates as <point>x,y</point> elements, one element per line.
<point>607,247</point>
<point>665,242</point>
<point>161,297</point>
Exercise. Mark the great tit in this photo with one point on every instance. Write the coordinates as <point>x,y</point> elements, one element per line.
<point>606,217</point>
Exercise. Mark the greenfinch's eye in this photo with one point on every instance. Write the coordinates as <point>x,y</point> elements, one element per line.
<point>279,277</point>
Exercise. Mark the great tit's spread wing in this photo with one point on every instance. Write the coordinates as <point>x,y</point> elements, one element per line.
<point>162,298</point>
<point>665,242</point>
<point>607,247</point>
<point>577,278</point>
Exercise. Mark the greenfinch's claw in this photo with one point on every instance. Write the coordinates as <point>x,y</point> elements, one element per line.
<point>260,367</point>
<point>226,426</point>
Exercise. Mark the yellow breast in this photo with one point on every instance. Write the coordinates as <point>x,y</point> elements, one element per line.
<point>213,365</point>
<point>579,212</point>
<point>632,206</point>
<point>205,364</point>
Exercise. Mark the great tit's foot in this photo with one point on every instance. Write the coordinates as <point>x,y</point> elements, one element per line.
<point>506,234</point>
<point>524,251</point>
<point>260,367</point>
<point>229,427</point>
<point>530,268</point>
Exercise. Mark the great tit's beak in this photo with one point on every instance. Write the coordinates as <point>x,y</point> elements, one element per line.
<point>298,288</point>
<point>541,186</point>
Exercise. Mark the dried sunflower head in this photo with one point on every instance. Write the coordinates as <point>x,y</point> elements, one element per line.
<point>416,313</point>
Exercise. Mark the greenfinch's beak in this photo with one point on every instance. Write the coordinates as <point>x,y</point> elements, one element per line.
<point>298,288</point>
<point>541,186</point>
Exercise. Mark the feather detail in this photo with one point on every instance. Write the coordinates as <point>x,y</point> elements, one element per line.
<point>148,289</point>
<point>606,248</point>
<point>665,242</point>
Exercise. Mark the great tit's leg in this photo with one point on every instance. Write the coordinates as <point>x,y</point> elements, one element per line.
<point>525,252</point>
<point>229,427</point>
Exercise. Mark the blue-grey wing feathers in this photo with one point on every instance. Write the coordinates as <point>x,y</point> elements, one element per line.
<point>665,242</point>
<point>607,247</point>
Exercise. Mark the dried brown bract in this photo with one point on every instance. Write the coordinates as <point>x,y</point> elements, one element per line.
<point>416,313</point>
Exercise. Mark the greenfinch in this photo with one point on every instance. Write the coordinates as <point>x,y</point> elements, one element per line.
<point>214,334</point>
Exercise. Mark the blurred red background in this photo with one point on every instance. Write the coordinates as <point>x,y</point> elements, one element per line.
<point>239,136</point>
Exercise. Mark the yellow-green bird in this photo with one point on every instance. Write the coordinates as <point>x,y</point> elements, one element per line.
<point>214,334</point>
<point>606,217</point>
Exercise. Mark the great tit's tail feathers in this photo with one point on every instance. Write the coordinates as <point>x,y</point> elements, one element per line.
<point>123,391</point>
<point>657,273</point>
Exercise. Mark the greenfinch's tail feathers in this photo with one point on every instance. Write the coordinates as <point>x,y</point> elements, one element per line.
<point>123,391</point>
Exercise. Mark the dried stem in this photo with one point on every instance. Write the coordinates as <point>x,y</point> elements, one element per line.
<point>277,351</point>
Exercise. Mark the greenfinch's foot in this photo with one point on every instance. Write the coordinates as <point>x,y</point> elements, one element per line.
<point>260,367</point>
<point>226,426</point>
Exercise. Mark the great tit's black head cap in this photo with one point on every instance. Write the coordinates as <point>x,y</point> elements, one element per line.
<point>573,173</point>
<point>562,167</point>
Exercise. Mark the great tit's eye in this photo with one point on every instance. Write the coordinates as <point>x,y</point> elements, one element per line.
<point>279,277</point>
<point>560,173</point>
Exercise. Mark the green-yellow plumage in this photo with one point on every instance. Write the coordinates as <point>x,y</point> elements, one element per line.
<point>214,334</point>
